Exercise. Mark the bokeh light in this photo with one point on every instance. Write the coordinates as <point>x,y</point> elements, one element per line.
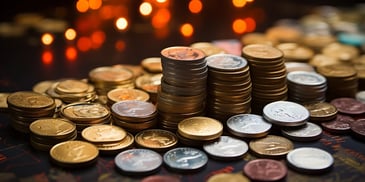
<point>97,39</point>
<point>95,4</point>
<point>161,18</point>
<point>239,26</point>
<point>47,57</point>
<point>82,6</point>
<point>251,24</point>
<point>120,45</point>
<point>145,8</point>
<point>239,3</point>
<point>47,39</point>
<point>187,30</point>
<point>195,6</point>
<point>121,23</point>
<point>70,34</point>
<point>84,44</point>
<point>71,53</point>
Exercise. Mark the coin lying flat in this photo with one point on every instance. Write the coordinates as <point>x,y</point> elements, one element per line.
<point>358,128</point>
<point>307,132</point>
<point>103,133</point>
<point>156,139</point>
<point>185,159</point>
<point>321,111</point>
<point>226,147</point>
<point>161,178</point>
<point>286,113</point>
<point>265,170</point>
<point>200,128</point>
<point>271,146</point>
<point>248,125</point>
<point>231,177</point>
<point>117,147</point>
<point>348,105</point>
<point>339,125</point>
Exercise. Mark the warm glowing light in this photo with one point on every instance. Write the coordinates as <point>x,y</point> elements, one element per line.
<point>47,57</point>
<point>47,39</point>
<point>161,18</point>
<point>71,53</point>
<point>70,34</point>
<point>239,3</point>
<point>121,23</point>
<point>106,12</point>
<point>84,44</point>
<point>195,6</point>
<point>160,1</point>
<point>95,4</point>
<point>249,1</point>
<point>82,6</point>
<point>187,30</point>
<point>120,45</point>
<point>251,24</point>
<point>145,8</point>
<point>239,26</point>
<point>97,38</point>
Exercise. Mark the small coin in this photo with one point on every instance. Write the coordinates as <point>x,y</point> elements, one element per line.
<point>182,53</point>
<point>226,148</point>
<point>231,177</point>
<point>138,161</point>
<point>286,113</point>
<point>156,139</point>
<point>339,125</point>
<point>200,128</point>
<point>265,170</point>
<point>271,146</point>
<point>103,133</point>
<point>185,159</point>
<point>309,160</point>
<point>349,105</point>
<point>358,128</point>
<point>248,125</point>
<point>307,132</point>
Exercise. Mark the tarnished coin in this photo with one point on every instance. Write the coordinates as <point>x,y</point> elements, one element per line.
<point>248,125</point>
<point>183,53</point>
<point>185,159</point>
<point>200,128</point>
<point>348,105</point>
<point>225,177</point>
<point>321,111</point>
<point>226,147</point>
<point>309,160</point>
<point>103,133</point>
<point>339,125</point>
<point>271,146</point>
<point>138,161</point>
<point>265,170</point>
<point>226,62</point>
<point>156,139</point>
<point>286,113</point>
<point>308,132</point>
<point>358,128</point>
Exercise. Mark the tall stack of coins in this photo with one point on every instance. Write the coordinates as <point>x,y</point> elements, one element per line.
<point>120,94</point>
<point>268,73</point>
<point>229,86</point>
<point>306,87</point>
<point>110,77</point>
<point>341,80</point>
<point>26,106</point>
<point>71,90</point>
<point>134,115</point>
<point>183,85</point>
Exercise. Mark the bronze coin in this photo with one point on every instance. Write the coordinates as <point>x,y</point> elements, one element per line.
<point>358,128</point>
<point>348,105</point>
<point>341,124</point>
<point>265,170</point>
<point>161,178</point>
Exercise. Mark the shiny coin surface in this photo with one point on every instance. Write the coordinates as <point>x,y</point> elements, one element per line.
<point>55,127</point>
<point>156,139</point>
<point>265,170</point>
<point>226,62</point>
<point>307,132</point>
<point>200,128</point>
<point>271,146</point>
<point>226,147</point>
<point>309,159</point>
<point>182,53</point>
<point>185,159</point>
<point>225,177</point>
<point>248,125</point>
<point>321,111</point>
<point>29,100</point>
<point>286,113</point>
<point>85,111</point>
<point>349,105</point>
<point>134,108</point>
<point>71,86</point>
<point>121,94</point>
<point>138,161</point>
<point>152,64</point>
<point>115,148</point>
<point>103,133</point>
<point>340,124</point>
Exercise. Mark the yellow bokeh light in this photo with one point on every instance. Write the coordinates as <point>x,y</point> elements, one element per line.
<point>187,30</point>
<point>239,26</point>
<point>121,23</point>
<point>95,4</point>
<point>239,3</point>
<point>249,1</point>
<point>47,39</point>
<point>145,8</point>
<point>70,34</point>
<point>161,1</point>
<point>195,6</point>
<point>82,6</point>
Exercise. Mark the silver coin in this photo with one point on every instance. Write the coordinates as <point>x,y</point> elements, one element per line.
<point>226,62</point>
<point>309,159</point>
<point>138,161</point>
<point>185,159</point>
<point>308,132</point>
<point>248,125</point>
<point>306,78</point>
<point>360,96</point>
<point>226,147</point>
<point>286,113</point>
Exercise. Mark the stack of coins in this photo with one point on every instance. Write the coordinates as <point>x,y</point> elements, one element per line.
<point>108,78</point>
<point>85,114</point>
<point>341,80</point>
<point>149,83</point>
<point>71,90</point>
<point>306,87</point>
<point>208,48</point>
<point>25,107</point>
<point>183,85</point>
<point>134,115</point>
<point>47,132</point>
<point>229,86</point>
<point>268,73</point>
<point>120,94</point>
<point>195,131</point>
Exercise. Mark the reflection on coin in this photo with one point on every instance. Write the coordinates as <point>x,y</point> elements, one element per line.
<point>271,146</point>
<point>286,113</point>
<point>265,170</point>
<point>226,147</point>
<point>52,127</point>
<point>133,108</point>
<point>103,133</point>
<point>228,177</point>
<point>138,161</point>
<point>309,159</point>
<point>339,125</point>
<point>185,159</point>
<point>307,132</point>
<point>348,105</point>
<point>248,125</point>
<point>200,128</point>
<point>321,111</point>
<point>156,139</point>
<point>29,100</point>
<point>115,148</point>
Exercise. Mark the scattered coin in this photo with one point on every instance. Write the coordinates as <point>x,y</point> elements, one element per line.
<point>226,148</point>
<point>358,128</point>
<point>156,139</point>
<point>321,111</point>
<point>200,128</point>
<point>286,113</point>
<point>161,178</point>
<point>248,125</point>
<point>265,170</point>
<point>348,105</point>
<point>271,146</point>
<point>231,177</point>
<point>339,125</point>
<point>307,132</point>
<point>184,159</point>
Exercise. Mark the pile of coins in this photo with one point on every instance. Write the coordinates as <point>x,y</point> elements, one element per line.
<point>268,74</point>
<point>120,94</point>
<point>134,115</point>
<point>70,91</point>
<point>25,107</point>
<point>229,86</point>
<point>183,85</point>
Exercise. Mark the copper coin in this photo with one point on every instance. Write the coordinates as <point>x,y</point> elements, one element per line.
<point>358,128</point>
<point>349,105</point>
<point>265,170</point>
<point>341,124</point>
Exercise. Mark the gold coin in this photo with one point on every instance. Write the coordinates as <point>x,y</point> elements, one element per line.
<point>73,153</point>
<point>103,133</point>
<point>3,102</point>
<point>255,38</point>
<point>281,34</point>
<point>321,111</point>
<point>228,177</point>
<point>156,139</point>
<point>121,94</point>
<point>271,146</point>
<point>200,128</point>
<point>29,100</point>
<point>149,83</point>
<point>42,86</point>
<point>110,74</point>
<point>337,70</point>
<point>71,87</point>
<point>295,52</point>
<point>52,127</point>
<point>85,111</point>
<point>341,52</point>
<point>261,52</point>
<point>111,149</point>
<point>208,48</point>
<point>136,70</point>
<point>152,64</point>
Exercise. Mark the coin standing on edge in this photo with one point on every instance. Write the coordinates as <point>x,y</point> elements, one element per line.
<point>184,159</point>
<point>265,170</point>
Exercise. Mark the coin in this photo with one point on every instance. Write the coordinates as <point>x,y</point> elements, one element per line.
<point>152,64</point>
<point>298,66</point>
<point>208,48</point>
<point>226,148</point>
<point>231,177</point>
<point>271,146</point>
<point>348,105</point>
<point>226,62</point>
<point>255,38</point>
<point>156,139</point>
<point>200,128</point>
<point>358,128</point>
<point>286,113</point>
<point>121,94</point>
<point>310,160</point>
<point>295,52</point>
<point>103,134</point>
<point>308,132</point>
<point>52,127</point>
<point>134,109</point>
<point>71,86</point>
<point>248,125</point>
<point>85,112</point>
<point>42,86</point>
<point>183,159</point>
<point>340,124</point>
<point>265,170</point>
<point>341,52</point>
<point>29,100</point>
<point>182,53</point>
<point>321,111</point>
<point>161,178</point>
<point>138,161</point>
<point>117,147</point>
<point>3,102</point>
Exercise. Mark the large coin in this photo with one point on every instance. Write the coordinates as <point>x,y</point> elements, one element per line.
<point>226,148</point>
<point>248,125</point>
<point>286,113</point>
<point>185,159</point>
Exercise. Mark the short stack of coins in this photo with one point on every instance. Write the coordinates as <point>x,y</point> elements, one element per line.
<point>120,94</point>
<point>342,80</point>
<point>268,73</point>
<point>306,87</point>
<point>85,114</point>
<point>71,90</point>
<point>229,86</point>
<point>25,107</point>
<point>183,86</point>
<point>111,77</point>
<point>47,132</point>
<point>134,115</point>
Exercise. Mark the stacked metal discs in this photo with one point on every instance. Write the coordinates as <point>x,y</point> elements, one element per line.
<point>229,86</point>
<point>70,91</point>
<point>183,86</point>
<point>268,73</point>
<point>26,106</point>
<point>306,87</point>
<point>134,115</point>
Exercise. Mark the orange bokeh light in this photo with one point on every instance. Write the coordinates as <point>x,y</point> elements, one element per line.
<point>95,4</point>
<point>84,44</point>
<point>47,39</point>
<point>249,1</point>
<point>121,23</point>
<point>97,38</point>
<point>161,18</point>
<point>239,26</point>
<point>47,57</point>
<point>239,3</point>
<point>195,6</point>
<point>120,45</point>
<point>145,8</point>
<point>71,53</point>
<point>106,12</point>
<point>187,30</point>
<point>70,34</point>
<point>251,24</point>
<point>82,6</point>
